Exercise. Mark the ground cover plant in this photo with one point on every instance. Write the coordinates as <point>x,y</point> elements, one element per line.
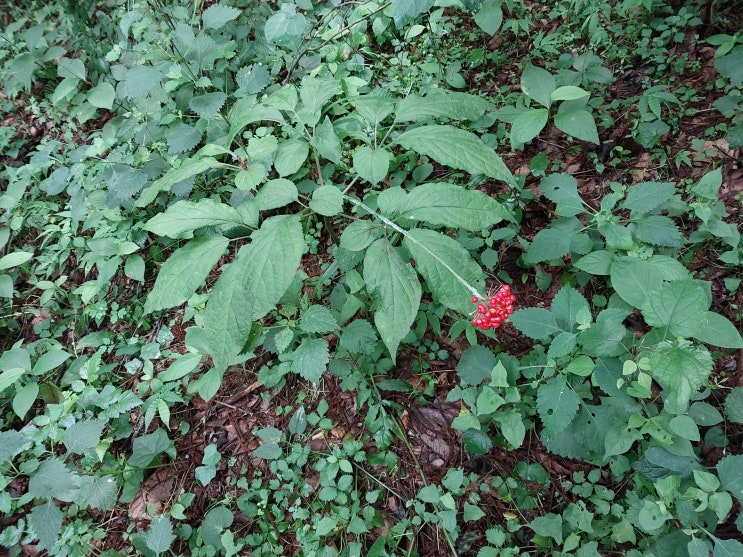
<point>417,277</point>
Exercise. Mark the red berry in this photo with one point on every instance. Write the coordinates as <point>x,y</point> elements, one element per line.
<point>482,309</point>
<point>475,299</point>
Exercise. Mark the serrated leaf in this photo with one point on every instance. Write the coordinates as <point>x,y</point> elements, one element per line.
<point>536,323</point>
<point>456,148</point>
<point>557,405</point>
<point>438,258</point>
<point>252,285</point>
<point>553,242</point>
<point>527,126</point>
<point>276,193</point>
<point>208,105</point>
<point>46,521</point>
<point>657,230</point>
<point>183,138</point>
<point>562,189</point>
<point>370,164</point>
<point>646,197</point>
<point>183,217</point>
<point>98,492</point>
<point>718,330</point>
<point>83,435</point>
<point>315,93</point>
<point>310,359</point>
<point>634,279</point>
<point>681,368</point>
<point>678,305</point>
<point>360,234</point>
<point>441,104</point>
<point>290,156</point>
<point>160,535</point>
<point>326,141</point>
<point>318,319</point>
<point>102,95</point>
<point>253,79</point>
<point>538,84</point>
<point>53,480</point>
<point>393,285</point>
<point>185,271</point>
<point>730,472</point>
<point>359,337</point>
<point>218,15</point>
<point>327,200</point>
<point>562,345</point>
<point>140,80</point>
<point>476,442</point>
<point>476,364</point>
<point>189,168</point>
<point>734,405</point>
<point>567,304</point>
<point>452,206</point>
<point>596,263</point>
<point>579,123</point>
<point>405,11</point>
<point>284,25</point>
<point>12,442</point>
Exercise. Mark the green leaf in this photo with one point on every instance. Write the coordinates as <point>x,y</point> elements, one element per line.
<point>185,271</point>
<point>140,80</point>
<point>489,18</point>
<point>12,442</point>
<point>147,447</point>
<point>83,435</point>
<point>734,405</point>
<point>536,323</point>
<point>512,426</point>
<point>183,138</point>
<point>253,79</point>
<point>476,442</point>
<point>553,242</point>
<point>456,148</point>
<point>557,405</point>
<point>270,448</point>
<point>14,259</point>
<point>327,201</point>
<point>276,193</point>
<point>181,367</point>
<point>657,230</point>
<point>438,258</point>
<point>188,169</point>
<point>568,93</point>
<point>567,304</point>
<point>183,217</point>
<point>9,377</point>
<point>476,365</point>
<point>252,285</point>
<point>718,330</point>
<point>538,84</point>
<point>160,535</point>
<point>596,263</point>
<point>681,368</point>
<point>604,338</point>
<point>678,305</point>
<point>326,141</point>
<point>708,185</point>
<point>98,492</point>
<point>207,471</point>
<point>634,279</point>
<point>318,319</point>
<point>71,68</point>
<point>284,25</point>
<point>527,126</point>
<point>579,123</point>
<point>405,11</point>
<point>730,472</point>
<point>646,197</point>
<point>102,95</point>
<point>359,337</point>
<point>46,522</point>
<point>208,105</point>
<point>217,15</point>
<point>310,359</point>
<point>451,206</point>
<point>50,360</point>
<point>315,93</point>
<point>53,480</point>
<point>549,526</point>
<point>393,285</point>
<point>24,398</point>
<point>562,189</point>
<point>731,547</point>
<point>290,156</point>
<point>360,234</point>
<point>370,164</point>
<point>562,345</point>
<point>441,104</point>
<point>21,69</point>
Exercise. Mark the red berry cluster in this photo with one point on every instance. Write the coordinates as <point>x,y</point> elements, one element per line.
<point>501,306</point>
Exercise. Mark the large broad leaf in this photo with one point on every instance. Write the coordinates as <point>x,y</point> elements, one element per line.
<point>186,170</point>
<point>160,535</point>
<point>285,25</point>
<point>557,405</point>
<point>563,190</point>
<point>183,217</point>
<point>538,84</point>
<point>717,330</point>
<point>46,521</point>
<point>476,365</point>
<point>681,368</point>
<point>315,93</point>
<point>633,279</point>
<point>579,123</point>
<point>730,471</point>
<point>456,148</point>
<point>567,304</point>
<point>394,286</point>
<point>536,323</point>
<point>452,206</point>
<point>310,359</point>
<point>441,104</point>
<point>259,276</point>
<point>527,126</point>
<point>218,15</point>
<point>185,271</point>
<point>657,230</point>
<point>370,164</point>
<point>553,242</point>
<point>441,259</point>
<point>326,141</point>
<point>679,305</point>
<point>645,197</point>
<point>405,11</point>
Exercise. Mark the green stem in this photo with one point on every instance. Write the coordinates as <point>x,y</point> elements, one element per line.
<point>405,233</point>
